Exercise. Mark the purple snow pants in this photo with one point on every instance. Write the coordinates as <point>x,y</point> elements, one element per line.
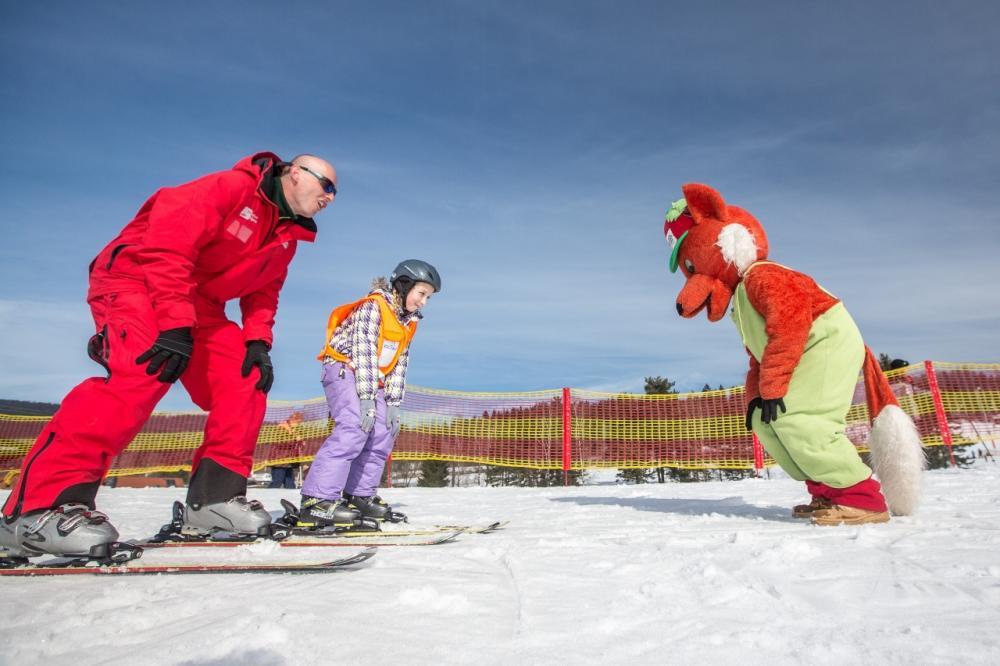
<point>350,459</point>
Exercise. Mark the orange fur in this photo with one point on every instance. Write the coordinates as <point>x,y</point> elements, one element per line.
<point>790,302</point>
<point>878,393</point>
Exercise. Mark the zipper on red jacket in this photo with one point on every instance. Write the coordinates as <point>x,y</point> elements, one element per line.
<point>114,254</point>
<point>24,477</point>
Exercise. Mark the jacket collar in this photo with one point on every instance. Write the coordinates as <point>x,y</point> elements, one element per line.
<point>269,184</point>
<point>392,299</point>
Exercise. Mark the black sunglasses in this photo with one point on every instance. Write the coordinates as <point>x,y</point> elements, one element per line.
<point>328,185</point>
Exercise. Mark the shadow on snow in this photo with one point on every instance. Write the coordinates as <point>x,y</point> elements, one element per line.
<point>734,507</point>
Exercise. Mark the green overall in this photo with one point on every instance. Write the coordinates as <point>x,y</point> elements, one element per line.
<point>808,440</point>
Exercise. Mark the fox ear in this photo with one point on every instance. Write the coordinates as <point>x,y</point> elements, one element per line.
<point>704,202</point>
<point>738,246</point>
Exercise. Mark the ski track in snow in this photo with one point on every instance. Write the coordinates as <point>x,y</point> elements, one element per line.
<point>715,573</point>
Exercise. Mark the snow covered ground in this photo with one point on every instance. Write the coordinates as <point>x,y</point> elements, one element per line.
<point>708,573</point>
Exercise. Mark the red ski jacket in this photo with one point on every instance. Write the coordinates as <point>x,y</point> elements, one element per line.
<point>193,247</point>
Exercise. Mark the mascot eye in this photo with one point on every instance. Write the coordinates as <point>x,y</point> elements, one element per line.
<point>689,265</point>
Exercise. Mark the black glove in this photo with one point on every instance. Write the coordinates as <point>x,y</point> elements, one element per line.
<point>171,352</point>
<point>768,409</point>
<point>257,356</point>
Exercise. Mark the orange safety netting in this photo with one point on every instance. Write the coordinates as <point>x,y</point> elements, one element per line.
<point>953,404</point>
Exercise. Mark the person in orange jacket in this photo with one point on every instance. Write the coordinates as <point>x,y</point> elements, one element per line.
<point>365,358</point>
<point>157,294</point>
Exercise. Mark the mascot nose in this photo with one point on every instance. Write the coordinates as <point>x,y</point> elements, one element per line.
<point>680,309</point>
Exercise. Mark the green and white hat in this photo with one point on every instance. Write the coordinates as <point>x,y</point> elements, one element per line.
<point>676,227</point>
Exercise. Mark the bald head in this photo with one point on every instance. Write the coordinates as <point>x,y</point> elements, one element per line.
<point>307,184</point>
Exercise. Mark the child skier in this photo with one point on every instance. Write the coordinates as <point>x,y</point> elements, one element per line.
<point>364,373</point>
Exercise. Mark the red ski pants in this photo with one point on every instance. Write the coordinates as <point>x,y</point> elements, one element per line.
<point>98,418</point>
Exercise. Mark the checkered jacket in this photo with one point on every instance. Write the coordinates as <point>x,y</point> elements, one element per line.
<point>357,339</point>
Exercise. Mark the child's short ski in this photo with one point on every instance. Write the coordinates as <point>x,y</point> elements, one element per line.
<point>83,567</point>
<point>369,527</point>
<point>377,539</point>
<point>476,529</point>
<point>321,539</point>
<point>427,531</point>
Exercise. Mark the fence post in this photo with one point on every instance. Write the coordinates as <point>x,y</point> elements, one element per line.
<point>758,455</point>
<point>388,471</point>
<point>567,443</point>
<point>942,418</point>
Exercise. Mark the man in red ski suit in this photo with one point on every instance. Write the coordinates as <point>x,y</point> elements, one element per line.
<point>158,294</point>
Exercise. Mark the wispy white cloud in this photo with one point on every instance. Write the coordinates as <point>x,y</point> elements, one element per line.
<point>530,151</point>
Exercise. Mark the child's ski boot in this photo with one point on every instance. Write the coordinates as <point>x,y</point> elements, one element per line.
<point>319,513</point>
<point>376,508</point>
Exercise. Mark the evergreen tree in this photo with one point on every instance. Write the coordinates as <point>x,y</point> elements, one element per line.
<point>525,477</point>
<point>659,386</point>
<point>632,475</point>
<point>938,457</point>
<point>737,474</point>
<point>689,475</point>
<point>433,474</point>
<point>495,476</point>
<point>887,363</point>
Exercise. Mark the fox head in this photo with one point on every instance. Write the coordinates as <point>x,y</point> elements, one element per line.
<point>713,244</point>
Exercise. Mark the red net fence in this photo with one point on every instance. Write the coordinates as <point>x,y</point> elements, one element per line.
<point>953,404</point>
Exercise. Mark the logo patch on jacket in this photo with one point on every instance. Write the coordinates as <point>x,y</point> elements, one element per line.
<point>240,230</point>
<point>248,214</point>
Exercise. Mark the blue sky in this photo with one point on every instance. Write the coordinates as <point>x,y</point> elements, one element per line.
<point>529,150</point>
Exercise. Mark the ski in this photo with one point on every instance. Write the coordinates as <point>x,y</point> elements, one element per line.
<point>476,529</point>
<point>364,527</point>
<point>427,531</point>
<point>365,533</point>
<point>83,567</point>
<point>330,539</point>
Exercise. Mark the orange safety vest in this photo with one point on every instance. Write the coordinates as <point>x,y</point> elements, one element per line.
<point>393,336</point>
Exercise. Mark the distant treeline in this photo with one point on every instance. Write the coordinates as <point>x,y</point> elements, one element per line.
<point>25,408</point>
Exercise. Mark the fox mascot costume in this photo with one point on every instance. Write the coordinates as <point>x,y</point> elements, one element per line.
<point>805,355</point>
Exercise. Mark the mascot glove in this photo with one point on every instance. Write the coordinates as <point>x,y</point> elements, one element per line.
<point>768,410</point>
<point>367,415</point>
<point>169,354</point>
<point>257,357</point>
<point>392,419</point>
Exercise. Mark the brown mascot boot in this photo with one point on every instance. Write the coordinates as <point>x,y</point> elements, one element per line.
<point>807,510</point>
<point>848,515</point>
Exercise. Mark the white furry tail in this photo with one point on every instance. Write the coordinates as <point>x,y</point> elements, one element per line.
<point>898,459</point>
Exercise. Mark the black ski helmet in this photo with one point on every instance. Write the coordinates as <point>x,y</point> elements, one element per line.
<point>410,271</point>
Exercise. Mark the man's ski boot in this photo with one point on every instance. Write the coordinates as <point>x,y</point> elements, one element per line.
<point>70,530</point>
<point>374,507</point>
<point>234,518</point>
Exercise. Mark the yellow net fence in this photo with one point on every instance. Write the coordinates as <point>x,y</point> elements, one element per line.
<point>952,404</point>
